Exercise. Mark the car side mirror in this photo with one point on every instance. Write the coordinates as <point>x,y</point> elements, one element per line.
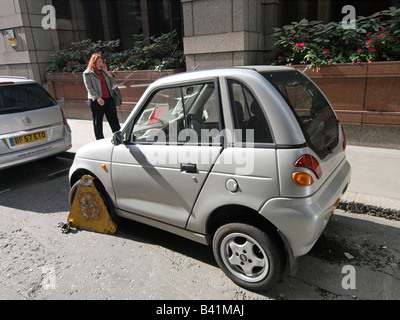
<point>117,138</point>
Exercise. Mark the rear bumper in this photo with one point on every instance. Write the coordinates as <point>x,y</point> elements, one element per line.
<point>302,220</point>
<point>16,158</point>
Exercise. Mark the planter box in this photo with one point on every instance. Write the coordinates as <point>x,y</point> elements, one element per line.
<point>367,93</point>
<point>366,98</point>
<point>69,90</point>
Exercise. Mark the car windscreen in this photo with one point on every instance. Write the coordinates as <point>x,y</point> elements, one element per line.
<point>311,109</point>
<point>24,97</point>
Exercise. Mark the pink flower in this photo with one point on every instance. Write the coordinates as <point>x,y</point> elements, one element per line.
<point>368,42</point>
<point>368,34</point>
<point>359,50</point>
<point>299,45</point>
<point>383,29</point>
<point>326,51</point>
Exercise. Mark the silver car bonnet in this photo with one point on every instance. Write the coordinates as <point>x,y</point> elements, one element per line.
<point>100,150</point>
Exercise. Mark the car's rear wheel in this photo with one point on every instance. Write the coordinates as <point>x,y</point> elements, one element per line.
<point>250,257</point>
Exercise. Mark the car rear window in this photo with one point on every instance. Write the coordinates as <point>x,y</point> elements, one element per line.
<point>311,109</point>
<point>24,97</point>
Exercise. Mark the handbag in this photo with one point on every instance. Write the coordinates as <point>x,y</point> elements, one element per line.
<point>116,95</point>
<point>115,91</point>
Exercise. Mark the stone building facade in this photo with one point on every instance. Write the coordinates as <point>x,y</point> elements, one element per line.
<point>213,33</point>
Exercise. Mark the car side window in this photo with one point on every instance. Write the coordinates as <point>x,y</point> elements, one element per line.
<point>249,119</point>
<point>182,114</point>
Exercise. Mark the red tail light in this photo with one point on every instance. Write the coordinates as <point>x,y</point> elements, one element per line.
<point>344,138</point>
<point>309,162</point>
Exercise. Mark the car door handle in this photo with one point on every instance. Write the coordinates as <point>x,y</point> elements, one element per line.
<point>188,167</point>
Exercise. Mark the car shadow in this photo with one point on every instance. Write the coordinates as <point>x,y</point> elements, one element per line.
<point>138,232</point>
<point>41,186</point>
<point>369,245</point>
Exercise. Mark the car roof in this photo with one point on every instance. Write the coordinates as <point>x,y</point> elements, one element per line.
<point>217,72</point>
<point>14,80</point>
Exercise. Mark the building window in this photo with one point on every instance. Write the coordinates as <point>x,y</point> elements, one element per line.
<point>120,19</point>
<point>327,10</point>
<point>63,9</point>
<point>294,10</point>
<point>363,8</point>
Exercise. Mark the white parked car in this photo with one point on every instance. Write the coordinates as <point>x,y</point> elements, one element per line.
<point>32,124</point>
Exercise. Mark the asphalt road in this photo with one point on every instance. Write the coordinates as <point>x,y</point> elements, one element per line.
<point>357,257</point>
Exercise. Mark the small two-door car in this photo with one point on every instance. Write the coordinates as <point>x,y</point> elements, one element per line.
<point>32,124</point>
<point>249,159</point>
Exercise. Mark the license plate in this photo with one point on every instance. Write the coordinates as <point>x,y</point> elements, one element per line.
<point>27,138</point>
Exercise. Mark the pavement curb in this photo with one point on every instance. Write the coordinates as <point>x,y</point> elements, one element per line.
<point>371,205</point>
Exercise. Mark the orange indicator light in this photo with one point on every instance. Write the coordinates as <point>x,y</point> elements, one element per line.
<point>302,178</point>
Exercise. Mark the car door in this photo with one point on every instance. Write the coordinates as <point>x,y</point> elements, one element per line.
<point>170,149</point>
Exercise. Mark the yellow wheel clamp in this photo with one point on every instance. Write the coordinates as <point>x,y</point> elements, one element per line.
<point>88,209</point>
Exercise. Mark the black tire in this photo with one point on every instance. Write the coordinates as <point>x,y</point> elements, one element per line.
<point>72,192</point>
<point>250,257</point>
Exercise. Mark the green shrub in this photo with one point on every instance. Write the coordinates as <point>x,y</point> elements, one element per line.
<point>154,53</point>
<point>375,38</point>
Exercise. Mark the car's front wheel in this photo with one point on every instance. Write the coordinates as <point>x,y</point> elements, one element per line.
<point>249,256</point>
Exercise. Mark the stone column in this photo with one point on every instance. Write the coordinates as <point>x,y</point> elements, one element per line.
<point>224,33</point>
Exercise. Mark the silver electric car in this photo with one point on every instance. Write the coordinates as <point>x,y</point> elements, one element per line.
<point>32,124</point>
<point>249,159</point>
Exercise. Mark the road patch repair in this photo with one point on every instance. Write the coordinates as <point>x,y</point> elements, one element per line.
<point>88,211</point>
